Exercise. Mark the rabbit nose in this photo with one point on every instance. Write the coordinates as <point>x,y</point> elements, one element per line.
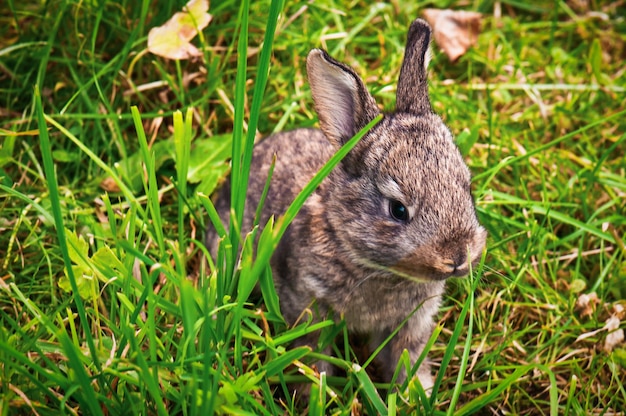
<point>460,260</point>
<point>463,260</point>
<point>460,270</point>
<point>458,266</point>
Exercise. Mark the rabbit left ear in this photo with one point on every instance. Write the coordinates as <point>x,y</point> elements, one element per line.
<point>412,94</point>
<point>343,104</point>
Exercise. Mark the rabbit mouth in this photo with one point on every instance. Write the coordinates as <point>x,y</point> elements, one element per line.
<point>431,273</point>
<point>415,275</point>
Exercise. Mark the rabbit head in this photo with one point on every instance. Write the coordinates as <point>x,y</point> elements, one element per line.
<point>401,199</point>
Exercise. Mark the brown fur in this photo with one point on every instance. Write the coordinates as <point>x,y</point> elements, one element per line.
<point>344,250</point>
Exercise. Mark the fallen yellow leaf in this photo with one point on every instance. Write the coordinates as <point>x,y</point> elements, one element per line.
<point>172,39</point>
<point>4,132</point>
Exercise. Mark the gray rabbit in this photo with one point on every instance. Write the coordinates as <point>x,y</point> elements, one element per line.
<point>379,237</point>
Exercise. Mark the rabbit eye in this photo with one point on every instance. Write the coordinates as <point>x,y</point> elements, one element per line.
<point>398,211</point>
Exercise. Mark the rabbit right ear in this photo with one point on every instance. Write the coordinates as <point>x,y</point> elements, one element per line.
<point>343,104</point>
<point>412,93</point>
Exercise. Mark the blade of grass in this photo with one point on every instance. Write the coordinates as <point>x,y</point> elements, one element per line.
<point>83,385</point>
<point>369,390</point>
<point>152,190</point>
<point>148,377</point>
<point>189,317</point>
<point>578,225</point>
<point>237,192</point>
<point>24,364</point>
<point>214,217</point>
<point>182,144</point>
<point>391,404</point>
<point>449,352</point>
<point>262,74</point>
<point>88,398</point>
<point>55,202</point>
<point>479,402</point>
<point>47,216</point>
<point>242,154</point>
<point>456,393</point>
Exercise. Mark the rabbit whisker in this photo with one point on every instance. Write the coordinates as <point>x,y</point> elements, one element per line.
<point>389,270</point>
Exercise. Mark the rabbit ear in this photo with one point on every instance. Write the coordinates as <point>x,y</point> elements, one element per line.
<point>343,104</point>
<point>412,94</point>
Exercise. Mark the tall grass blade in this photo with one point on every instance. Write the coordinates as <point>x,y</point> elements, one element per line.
<point>237,191</point>
<point>152,190</point>
<point>55,203</point>
<point>257,98</point>
<point>148,377</point>
<point>369,390</point>
<point>449,352</point>
<point>456,393</point>
<point>86,394</point>
<point>182,144</point>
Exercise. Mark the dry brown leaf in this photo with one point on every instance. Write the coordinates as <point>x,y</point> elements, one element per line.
<point>589,334</point>
<point>586,303</point>
<point>172,39</point>
<point>615,335</point>
<point>109,185</point>
<point>454,31</point>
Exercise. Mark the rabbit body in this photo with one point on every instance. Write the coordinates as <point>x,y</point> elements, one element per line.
<point>377,239</point>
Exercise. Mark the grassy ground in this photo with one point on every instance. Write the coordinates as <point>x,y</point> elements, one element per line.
<point>106,303</point>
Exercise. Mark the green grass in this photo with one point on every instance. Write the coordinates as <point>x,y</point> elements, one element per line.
<point>109,302</point>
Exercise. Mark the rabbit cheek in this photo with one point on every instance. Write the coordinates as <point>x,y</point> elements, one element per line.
<point>478,245</point>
